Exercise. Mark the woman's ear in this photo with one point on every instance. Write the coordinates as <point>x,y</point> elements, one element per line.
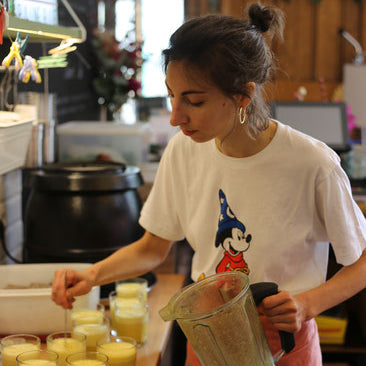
<point>243,100</point>
<point>250,87</point>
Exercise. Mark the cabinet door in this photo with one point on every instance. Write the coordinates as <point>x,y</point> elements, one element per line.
<point>312,49</point>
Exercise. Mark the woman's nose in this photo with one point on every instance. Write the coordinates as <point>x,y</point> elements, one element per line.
<point>177,117</point>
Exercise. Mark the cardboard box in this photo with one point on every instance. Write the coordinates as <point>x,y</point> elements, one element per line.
<point>331,330</point>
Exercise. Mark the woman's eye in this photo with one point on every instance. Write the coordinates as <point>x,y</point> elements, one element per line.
<point>195,104</point>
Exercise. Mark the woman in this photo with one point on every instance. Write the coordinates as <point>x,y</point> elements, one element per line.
<point>247,192</point>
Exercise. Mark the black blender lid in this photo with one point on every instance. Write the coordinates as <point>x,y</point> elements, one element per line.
<point>87,176</point>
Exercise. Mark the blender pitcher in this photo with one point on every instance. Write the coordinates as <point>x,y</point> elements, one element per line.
<point>219,317</point>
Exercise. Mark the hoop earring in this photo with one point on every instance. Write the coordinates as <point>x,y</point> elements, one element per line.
<point>242,115</point>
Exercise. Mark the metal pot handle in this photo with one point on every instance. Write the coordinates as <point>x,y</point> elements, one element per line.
<point>3,244</point>
<point>264,289</point>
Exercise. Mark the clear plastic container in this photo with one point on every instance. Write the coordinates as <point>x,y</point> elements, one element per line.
<point>87,141</point>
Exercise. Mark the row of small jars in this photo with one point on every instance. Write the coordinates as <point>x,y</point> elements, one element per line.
<point>67,349</point>
<point>128,315</point>
<point>129,309</point>
<point>128,321</point>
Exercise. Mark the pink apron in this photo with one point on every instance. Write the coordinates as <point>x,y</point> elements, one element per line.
<point>306,352</point>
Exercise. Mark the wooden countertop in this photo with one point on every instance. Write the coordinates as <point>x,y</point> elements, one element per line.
<point>158,330</point>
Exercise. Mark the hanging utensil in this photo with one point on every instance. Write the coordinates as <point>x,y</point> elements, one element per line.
<point>359,53</point>
<point>11,86</point>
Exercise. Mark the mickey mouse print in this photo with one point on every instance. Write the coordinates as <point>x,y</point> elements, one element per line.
<point>232,237</point>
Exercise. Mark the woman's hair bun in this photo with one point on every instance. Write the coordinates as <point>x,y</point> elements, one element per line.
<point>260,17</point>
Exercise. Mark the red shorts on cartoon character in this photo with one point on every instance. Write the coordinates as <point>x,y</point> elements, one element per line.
<point>232,263</point>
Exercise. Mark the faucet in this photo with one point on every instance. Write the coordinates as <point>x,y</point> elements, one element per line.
<point>359,54</point>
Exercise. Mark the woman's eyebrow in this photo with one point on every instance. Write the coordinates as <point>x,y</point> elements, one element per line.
<point>193,92</point>
<point>188,91</point>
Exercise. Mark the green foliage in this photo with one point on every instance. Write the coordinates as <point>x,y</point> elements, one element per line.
<point>118,65</point>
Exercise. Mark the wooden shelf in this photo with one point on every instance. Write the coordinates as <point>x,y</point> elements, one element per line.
<point>343,349</point>
<point>40,32</point>
<point>334,355</point>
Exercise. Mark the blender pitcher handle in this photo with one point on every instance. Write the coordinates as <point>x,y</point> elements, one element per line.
<point>260,291</point>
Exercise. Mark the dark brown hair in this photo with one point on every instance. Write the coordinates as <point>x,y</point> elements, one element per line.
<point>230,52</point>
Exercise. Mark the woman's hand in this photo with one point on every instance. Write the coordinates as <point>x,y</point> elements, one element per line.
<point>69,283</point>
<point>284,311</point>
<point>145,254</point>
<point>288,312</point>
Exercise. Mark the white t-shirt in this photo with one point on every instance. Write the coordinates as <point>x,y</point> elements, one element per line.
<point>270,215</point>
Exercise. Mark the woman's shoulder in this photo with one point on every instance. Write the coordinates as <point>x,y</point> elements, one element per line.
<point>303,145</point>
<point>307,153</point>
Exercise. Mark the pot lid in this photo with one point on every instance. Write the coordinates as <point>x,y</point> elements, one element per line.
<point>87,176</point>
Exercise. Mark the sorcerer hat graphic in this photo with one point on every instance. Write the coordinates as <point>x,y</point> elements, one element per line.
<point>227,219</point>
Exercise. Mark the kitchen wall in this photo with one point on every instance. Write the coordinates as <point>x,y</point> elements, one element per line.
<point>76,99</point>
<point>313,48</point>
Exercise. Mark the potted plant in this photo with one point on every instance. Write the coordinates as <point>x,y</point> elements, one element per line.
<point>118,71</point>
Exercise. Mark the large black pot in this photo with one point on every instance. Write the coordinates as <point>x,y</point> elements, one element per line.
<point>81,212</point>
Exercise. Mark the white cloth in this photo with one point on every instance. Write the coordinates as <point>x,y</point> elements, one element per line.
<point>292,199</point>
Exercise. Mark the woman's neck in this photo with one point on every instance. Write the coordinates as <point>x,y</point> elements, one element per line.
<point>239,144</point>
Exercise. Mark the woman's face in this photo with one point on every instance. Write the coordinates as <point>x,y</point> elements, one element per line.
<point>200,109</point>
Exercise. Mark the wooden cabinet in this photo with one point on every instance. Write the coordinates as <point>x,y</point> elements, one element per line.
<point>312,47</point>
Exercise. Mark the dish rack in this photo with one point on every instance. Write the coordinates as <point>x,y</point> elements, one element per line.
<point>15,134</point>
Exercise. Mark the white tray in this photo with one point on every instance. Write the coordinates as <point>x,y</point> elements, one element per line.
<point>32,310</point>
<point>15,134</point>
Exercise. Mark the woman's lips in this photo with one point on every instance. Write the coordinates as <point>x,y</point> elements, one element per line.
<point>188,132</point>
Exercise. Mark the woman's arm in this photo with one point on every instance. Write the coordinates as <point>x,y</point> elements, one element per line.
<point>288,312</point>
<point>130,261</point>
